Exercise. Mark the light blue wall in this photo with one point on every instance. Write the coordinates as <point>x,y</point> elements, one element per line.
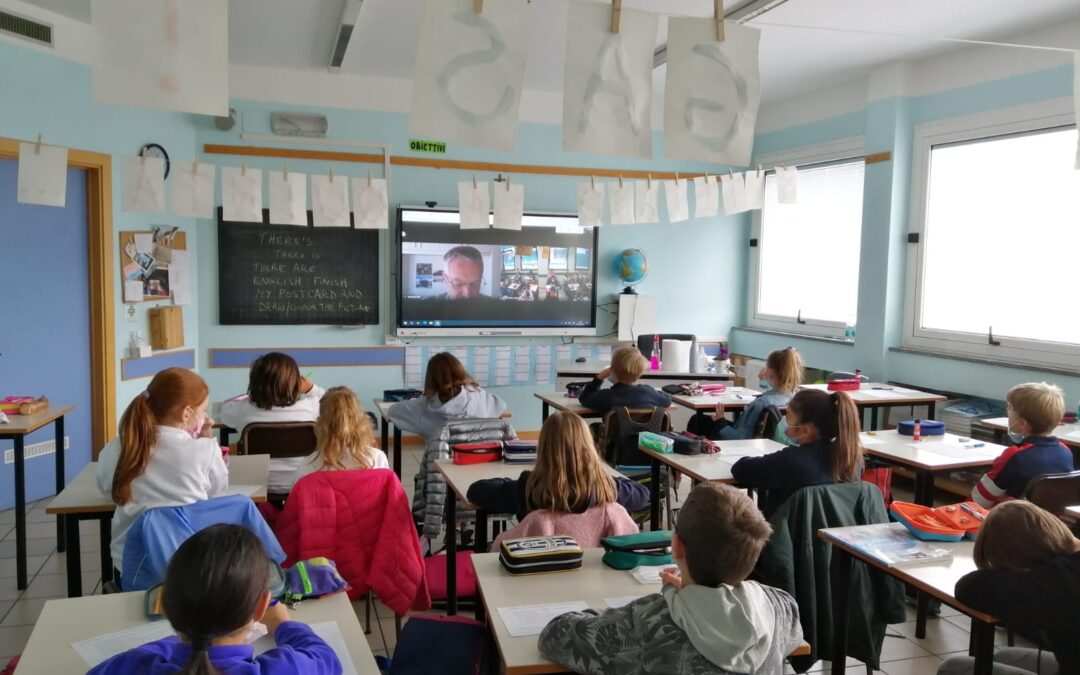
<point>697,271</point>
<point>43,94</point>
<point>889,126</point>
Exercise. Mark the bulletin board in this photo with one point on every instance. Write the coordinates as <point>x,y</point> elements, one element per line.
<point>147,261</point>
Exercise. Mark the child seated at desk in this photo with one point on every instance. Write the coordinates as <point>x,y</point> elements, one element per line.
<point>826,427</point>
<point>707,618</point>
<point>346,441</point>
<point>627,365</point>
<point>215,590</point>
<point>781,376</point>
<point>276,393</point>
<point>1029,577</point>
<point>165,455</point>
<point>1035,410</point>
<point>569,476</point>
<point>450,394</point>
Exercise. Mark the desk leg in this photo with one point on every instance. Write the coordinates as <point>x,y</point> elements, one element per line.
<point>545,410</point>
<point>654,490</point>
<point>924,488</point>
<point>982,637</point>
<point>840,595</point>
<point>59,454</point>
<point>397,451</point>
<point>74,557</point>
<point>933,410</point>
<point>223,436</point>
<point>105,535</point>
<point>480,545</point>
<point>451,553</point>
<point>20,513</point>
<point>874,418</point>
<point>922,604</point>
<point>384,433</point>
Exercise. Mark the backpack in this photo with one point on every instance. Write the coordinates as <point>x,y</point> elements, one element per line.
<point>451,645</point>
<point>619,446</point>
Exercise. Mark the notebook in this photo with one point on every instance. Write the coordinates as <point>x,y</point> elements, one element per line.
<point>891,544</point>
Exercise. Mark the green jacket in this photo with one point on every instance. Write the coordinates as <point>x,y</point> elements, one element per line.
<point>796,560</point>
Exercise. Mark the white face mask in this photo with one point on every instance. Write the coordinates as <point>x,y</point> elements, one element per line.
<point>1015,437</point>
<point>197,430</point>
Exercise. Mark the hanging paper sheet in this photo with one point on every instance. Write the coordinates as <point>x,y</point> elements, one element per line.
<point>288,198</point>
<point>42,174</point>
<point>621,196</point>
<point>469,72</point>
<point>474,205</point>
<point>241,194</point>
<point>646,201</point>
<point>607,85</point>
<point>193,189</point>
<point>712,91</point>
<point>706,197</point>
<point>509,205</point>
<point>142,184</point>
<point>371,205</point>
<point>330,201</point>
<point>675,197</point>
<point>590,204</point>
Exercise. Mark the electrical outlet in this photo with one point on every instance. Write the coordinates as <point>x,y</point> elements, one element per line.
<point>36,450</point>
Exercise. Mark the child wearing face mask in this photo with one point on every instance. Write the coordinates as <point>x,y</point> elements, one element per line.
<point>826,428</point>
<point>782,375</point>
<point>165,455</point>
<point>1035,410</point>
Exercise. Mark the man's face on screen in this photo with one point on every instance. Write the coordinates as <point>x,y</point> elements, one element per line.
<point>464,278</point>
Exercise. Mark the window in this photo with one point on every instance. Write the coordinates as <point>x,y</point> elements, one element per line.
<point>999,234</point>
<point>807,263</point>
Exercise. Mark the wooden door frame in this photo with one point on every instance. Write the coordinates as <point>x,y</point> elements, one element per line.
<point>100,245</point>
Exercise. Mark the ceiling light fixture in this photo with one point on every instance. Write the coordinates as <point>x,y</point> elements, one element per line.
<point>349,15</point>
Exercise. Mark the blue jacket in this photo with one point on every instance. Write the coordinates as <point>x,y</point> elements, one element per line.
<point>619,395</point>
<point>299,650</point>
<point>157,533</point>
<point>744,426</point>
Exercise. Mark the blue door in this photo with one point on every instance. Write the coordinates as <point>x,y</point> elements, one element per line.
<point>44,322</point>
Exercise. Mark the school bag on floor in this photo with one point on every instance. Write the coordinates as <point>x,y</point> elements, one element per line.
<point>448,645</point>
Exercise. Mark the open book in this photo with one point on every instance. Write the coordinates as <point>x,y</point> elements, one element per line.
<point>891,544</point>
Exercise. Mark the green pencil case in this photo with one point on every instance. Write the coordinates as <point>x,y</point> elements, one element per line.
<point>627,551</point>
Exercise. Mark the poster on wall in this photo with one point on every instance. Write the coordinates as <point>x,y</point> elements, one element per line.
<point>470,67</point>
<point>607,86</point>
<point>163,54</point>
<point>712,92</point>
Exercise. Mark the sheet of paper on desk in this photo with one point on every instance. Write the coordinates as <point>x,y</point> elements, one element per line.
<point>97,649</point>
<point>879,393</point>
<point>621,601</point>
<point>240,489</point>
<point>648,574</point>
<point>867,441</point>
<point>531,619</point>
<point>1073,436</point>
<point>330,632</point>
<point>955,450</point>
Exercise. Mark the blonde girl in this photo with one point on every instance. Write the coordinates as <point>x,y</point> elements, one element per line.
<point>345,438</point>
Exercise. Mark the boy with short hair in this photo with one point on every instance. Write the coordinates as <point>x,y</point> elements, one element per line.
<point>627,365</point>
<point>1035,410</point>
<point>707,618</point>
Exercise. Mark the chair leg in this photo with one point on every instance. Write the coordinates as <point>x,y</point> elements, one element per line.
<point>397,626</point>
<point>1010,636</point>
<point>367,613</point>
<point>869,670</point>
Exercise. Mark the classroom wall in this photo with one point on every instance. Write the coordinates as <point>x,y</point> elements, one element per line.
<point>895,99</point>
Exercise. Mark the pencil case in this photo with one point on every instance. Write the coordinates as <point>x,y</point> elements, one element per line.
<point>395,395</point>
<point>539,555</point>
<point>476,453</point>
<point>926,428</point>
<point>682,444</point>
<point>627,551</point>
<point>945,523</point>
<point>10,405</point>
<point>656,442</point>
<point>519,452</point>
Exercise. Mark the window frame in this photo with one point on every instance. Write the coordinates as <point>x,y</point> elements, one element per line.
<point>1020,120</point>
<point>835,152</point>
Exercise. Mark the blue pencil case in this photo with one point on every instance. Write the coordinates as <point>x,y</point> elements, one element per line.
<point>928,428</point>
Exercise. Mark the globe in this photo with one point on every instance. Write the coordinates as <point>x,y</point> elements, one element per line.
<point>632,267</point>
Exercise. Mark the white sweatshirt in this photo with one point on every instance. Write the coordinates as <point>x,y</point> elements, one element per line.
<point>182,470</point>
<point>239,412</point>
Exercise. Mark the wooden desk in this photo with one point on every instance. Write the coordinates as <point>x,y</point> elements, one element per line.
<point>874,396</point>
<point>936,580</point>
<point>714,468</point>
<point>83,500</point>
<point>893,448</point>
<point>563,403</point>
<point>459,478</point>
<point>591,584</point>
<point>65,621</point>
<point>1000,425</point>
<point>733,398</point>
<point>17,429</point>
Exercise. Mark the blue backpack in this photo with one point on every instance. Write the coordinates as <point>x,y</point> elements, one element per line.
<point>461,644</point>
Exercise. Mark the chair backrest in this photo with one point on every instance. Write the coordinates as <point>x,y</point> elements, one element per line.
<point>587,528</point>
<point>1054,491</point>
<point>645,342</point>
<point>619,444</point>
<point>277,439</point>
<point>768,421</point>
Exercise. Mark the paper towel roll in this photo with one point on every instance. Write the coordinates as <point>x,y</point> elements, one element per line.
<point>676,356</point>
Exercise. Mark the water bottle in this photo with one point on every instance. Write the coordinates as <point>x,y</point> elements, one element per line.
<point>654,358</point>
<point>916,432</point>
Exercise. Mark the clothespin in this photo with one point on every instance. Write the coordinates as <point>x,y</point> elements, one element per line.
<point>616,15</point>
<point>331,174</point>
<point>37,146</point>
<point>474,185</point>
<point>706,177</point>
<point>508,182</point>
<point>478,6</point>
<point>620,181</point>
<point>718,13</point>
<point>676,177</point>
<point>759,169</point>
<point>648,180</point>
<point>592,182</point>
<point>243,168</point>
<point>285,171</point>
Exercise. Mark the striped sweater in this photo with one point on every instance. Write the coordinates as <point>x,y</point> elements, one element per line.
<point>1009,476</point>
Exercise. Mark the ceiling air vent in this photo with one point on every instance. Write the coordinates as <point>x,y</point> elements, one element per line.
<point>28,29</point>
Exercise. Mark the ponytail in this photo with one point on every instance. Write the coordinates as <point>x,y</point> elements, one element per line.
<point>165,398</point>
<point>199,663</point>
<point>847,459</point>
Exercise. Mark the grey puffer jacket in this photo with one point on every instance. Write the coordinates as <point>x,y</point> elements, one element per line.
<point>429,497</point>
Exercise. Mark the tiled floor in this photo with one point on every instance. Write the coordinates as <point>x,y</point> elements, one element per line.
<point>902,654</point>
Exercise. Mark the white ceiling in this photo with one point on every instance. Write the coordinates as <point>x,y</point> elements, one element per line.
<point>805,45</point>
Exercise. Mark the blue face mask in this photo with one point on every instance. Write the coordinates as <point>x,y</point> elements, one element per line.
<point>1015,437</point>
<point>764,384</point>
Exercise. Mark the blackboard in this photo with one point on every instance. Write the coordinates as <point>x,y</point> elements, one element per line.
<point>286,274</point>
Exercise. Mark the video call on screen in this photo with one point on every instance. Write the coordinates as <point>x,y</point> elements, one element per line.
<point>535,277</point>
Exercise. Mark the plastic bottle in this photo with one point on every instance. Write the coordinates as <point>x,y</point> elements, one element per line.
<point>916,432</point>
<point>858,377</point>
<point>849,332</point>
<point>654,358</point>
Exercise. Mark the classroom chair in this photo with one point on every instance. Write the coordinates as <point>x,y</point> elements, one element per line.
<point>796,560</point>
<point>768,421</point>
<point>618,447</point>
<point>1054,491</point>
<point>280,440</point>
<point>587,528</point>
<point>361,521</point>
